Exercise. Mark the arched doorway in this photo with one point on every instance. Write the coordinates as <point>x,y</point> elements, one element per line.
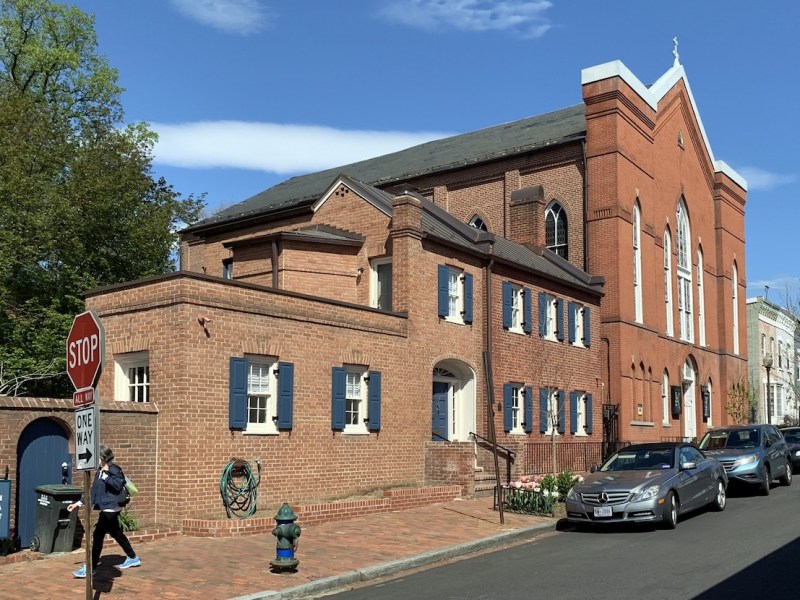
<point>453,402</point>
<point>689,400</point>
<point>42,448</point>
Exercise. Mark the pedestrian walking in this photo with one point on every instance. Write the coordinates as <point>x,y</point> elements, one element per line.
<point>108,482</point>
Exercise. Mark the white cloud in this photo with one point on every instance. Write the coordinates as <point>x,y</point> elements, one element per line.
<point>525,17</point>
<point>276,148</point>
<point>759,179</point>
<point>231,16</point>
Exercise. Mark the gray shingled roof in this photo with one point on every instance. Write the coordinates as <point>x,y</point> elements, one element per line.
<point>454,152</point>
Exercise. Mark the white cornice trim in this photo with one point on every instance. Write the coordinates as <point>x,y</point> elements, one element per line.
<point>653,96</point>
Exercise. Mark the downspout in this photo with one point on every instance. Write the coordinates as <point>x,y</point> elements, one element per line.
<point>585,207</point>
<point>275,264</point>
<point>489,382</point>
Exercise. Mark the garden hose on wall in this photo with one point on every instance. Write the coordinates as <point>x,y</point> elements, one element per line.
<point>239,488</point>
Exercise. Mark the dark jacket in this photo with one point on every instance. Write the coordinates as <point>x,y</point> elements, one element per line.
<point>104,491</point>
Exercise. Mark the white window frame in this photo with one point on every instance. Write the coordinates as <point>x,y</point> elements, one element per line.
<point>517,308</point>
<point>684,270</point>
<point>701,299</point>
<point>735,300</point>
<point>709,421</point>
<point>668,283</point>
<point>262,395</point>
<point>581,416</point>
<point>227,268</point>
<point>376,292</point>
<point>637,264</point>
<point>579,316</point>
<point>455,286</point>
<point>126,366</point>
<point>517,409</point>
<point>355,400</point>
<point>552,413</point>
<point>551,321</point>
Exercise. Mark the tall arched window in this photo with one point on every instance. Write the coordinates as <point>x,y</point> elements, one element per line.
<point>701,298</point>
<point>684,274</point>
<point>668,282</point>
<point>637,264</point>
<point>555,223</point>
<point>735,311</point>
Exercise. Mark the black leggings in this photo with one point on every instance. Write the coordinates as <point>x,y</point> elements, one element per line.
<point>108,523</point>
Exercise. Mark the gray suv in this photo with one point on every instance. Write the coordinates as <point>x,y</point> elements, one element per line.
<point>753,454</point>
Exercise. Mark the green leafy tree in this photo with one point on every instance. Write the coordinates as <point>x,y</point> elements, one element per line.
<point>79,204</point>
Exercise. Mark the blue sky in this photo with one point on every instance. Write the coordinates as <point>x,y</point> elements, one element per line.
<point>246,93</point>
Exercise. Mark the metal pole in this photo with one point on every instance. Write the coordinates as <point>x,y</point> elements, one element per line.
<point>87,531</point>
<point>769,399</point>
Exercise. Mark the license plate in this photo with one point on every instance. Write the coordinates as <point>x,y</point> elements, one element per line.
<point>602,511</point>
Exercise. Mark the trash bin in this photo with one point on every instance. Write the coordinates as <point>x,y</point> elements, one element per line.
<point>55,525</point>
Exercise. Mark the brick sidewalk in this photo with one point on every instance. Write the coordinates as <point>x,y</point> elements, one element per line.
<point>222,568</point>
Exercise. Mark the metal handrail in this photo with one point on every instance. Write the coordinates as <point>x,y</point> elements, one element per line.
<point>508,451</point>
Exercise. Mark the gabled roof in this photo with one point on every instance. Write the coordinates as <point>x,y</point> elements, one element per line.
<point>492,143</point>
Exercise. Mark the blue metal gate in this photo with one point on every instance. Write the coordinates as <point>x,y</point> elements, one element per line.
<point>41,450</point>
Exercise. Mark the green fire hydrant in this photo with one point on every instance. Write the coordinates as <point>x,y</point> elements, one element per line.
<point>287,532</point>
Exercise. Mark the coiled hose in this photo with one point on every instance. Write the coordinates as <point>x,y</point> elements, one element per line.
<point>239,488</point>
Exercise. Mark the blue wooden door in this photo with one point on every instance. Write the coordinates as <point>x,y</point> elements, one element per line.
<point>41,450</point>
<point>439,417</point>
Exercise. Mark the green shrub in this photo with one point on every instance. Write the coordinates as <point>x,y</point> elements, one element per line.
<point>127,521</point>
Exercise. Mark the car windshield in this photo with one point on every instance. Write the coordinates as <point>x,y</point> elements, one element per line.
<point>792,436</point>
<point>640,459</point>
<point>736,438</point>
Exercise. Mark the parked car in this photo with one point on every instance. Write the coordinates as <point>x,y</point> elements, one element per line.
<point>753,454</point>
<point>792,437</point>
<point>648,483</point>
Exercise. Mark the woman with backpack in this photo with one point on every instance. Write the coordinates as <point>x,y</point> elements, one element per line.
<point>109,481</point>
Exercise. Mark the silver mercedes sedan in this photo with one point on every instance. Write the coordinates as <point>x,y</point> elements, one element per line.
<point>649,483</point>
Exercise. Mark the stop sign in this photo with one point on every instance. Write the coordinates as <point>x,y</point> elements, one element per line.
<point>85,350</point>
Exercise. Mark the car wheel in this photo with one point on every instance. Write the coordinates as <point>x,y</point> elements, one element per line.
<point>766,476</point>
<point>787,478</point>
<point>720,498</point>
<point>670,516</point>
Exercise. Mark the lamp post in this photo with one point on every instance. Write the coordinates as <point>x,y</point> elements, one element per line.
<point>767,362</point>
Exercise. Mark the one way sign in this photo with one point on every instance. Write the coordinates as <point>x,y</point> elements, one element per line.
<point>86,434</point>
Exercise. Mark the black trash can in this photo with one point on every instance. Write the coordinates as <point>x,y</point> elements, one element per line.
<point>55,525</point>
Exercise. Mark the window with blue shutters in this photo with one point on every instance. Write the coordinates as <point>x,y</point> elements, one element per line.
<point>551,317</point>
<point>261,395</point>
<point>455,290</point>
<point>356,399</point>
<point>580,413</point>
<point>552,410</point>
<point>516,308</point>
<point>578,324</point>
<point>516,408</point>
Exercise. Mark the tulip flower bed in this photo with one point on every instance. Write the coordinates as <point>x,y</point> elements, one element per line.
<point>538,495</point>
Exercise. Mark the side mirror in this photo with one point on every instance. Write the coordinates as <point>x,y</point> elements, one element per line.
<point>688,466</point>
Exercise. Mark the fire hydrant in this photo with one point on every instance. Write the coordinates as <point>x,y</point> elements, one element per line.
<point>287,532</point>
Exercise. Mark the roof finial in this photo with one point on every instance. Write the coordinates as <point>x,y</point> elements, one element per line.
<point>675,51</point>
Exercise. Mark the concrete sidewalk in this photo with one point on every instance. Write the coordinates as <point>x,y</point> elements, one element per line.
<point>332,556</point>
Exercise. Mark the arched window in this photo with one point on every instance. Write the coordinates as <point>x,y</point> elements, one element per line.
<point>684,274</point>
<point>735,300</point>
<point>668,282</point>
<point>555,220</point>
<point>665,410</point>
<point>637,264</point>
<point>478,223</point>
<point>701,298</point>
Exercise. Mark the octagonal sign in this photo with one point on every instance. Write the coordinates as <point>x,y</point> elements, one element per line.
<point>85,350</point>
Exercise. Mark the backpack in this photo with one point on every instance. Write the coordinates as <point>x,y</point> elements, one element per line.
<point>123,496</point>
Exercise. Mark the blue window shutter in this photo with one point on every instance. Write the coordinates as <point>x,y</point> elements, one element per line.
<point>526,310</point>
<point>571,309</point>
<point>573,412</point>
<point>528,410</point>
<point>561,408</point>
<point>587,327</point>
<point>338,392</point>
<point>588,413</point>
<point>506,305</point>
<point>542,314</point>
<point>237,399</point>
<point>543,393</point>
<point>374,401</point>
<point>444,291</point>
<point>560,319</point>
<point>507,424</point>
<point>468,287</point>
<point>285,395</point>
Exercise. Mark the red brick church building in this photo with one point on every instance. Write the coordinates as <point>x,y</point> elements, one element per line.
<point>576,276</point>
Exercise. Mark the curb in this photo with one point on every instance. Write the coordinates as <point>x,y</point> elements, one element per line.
<point>335,582</point>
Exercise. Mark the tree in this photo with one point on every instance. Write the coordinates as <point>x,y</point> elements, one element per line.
<point>742,403</point>
<point>79,205</point>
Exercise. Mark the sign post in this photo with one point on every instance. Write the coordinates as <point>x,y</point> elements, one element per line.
<point>86,347</point>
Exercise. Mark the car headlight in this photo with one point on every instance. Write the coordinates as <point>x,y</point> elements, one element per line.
<point>745,460</point>
<point>646,493</point>
<point>572,494</point>
<point>797,453</point>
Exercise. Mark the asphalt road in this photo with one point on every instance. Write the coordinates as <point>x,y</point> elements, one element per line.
<point>749,551</point>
